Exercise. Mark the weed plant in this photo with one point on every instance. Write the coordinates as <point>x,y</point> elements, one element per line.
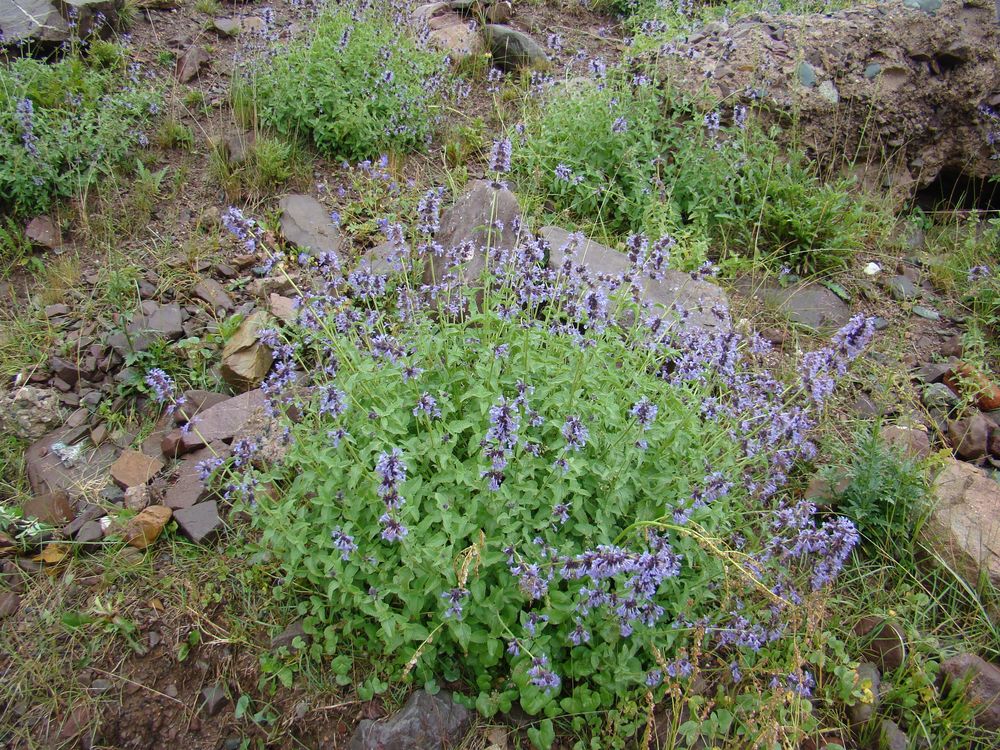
<point>527,481</point>
<point>64,124</point>
<point>362,84</point>
<point>639,157</point>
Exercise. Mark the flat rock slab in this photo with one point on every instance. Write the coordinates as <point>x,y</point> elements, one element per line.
<point>425,722</point>
<point>188,487</point>
<point>805,304</point>
<point>221,422</point>
<point>154,322</point>
<point>212,293</point>
<point>134,469</point>
<point>306,224</point>
<point>697,297</point>
<point>53,508</point>
<point>199,523</point>
<point>964,527</point>
<point>195,402</point>
<point>65,460</point>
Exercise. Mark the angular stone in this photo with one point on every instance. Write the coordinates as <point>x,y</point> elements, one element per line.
<point>213,699</point>
<point>467,224</point>
<point>226,26</point>
<point>306,225</point>
<point>287,636</point>
<point>913,441</point>
<point>199,523</point>
<point>426,722</point>
<point>451,33</point>
<point>220,422</point>
<point>9,604</point>
<point>134,468</point>
<point>195,402</point>
<point>191,63</point>
<point>188,487</point>
<point>214,295</point>
<point>902,289</point>
<point>43,231</point>
<point>153,323</point>
<point>137,497</point>
<point>53,508</point>
<point>246,361</point>
<point>283,308</point>
<point>970,437</point>
<point>512,49</point>
<point>90,533</point>
<point>963,526</point>
<point>983,689</point>
<point>893,737</point>
<point>29,412</point>
<point>964,379</point>
<point>697,297</point>
<point>806,304</point>
<point>144,529</point>
<point>62,461</point>
<point>940,397</point>
<point>883,642</point>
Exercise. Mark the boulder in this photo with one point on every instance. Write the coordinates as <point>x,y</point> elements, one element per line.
<point>964,527</point>
<point>512,49</point>
<point>29,412</point>
<point>48,21</point>
<point>306,225</point>
<point>697,297</point>
<point>982,688</point>
<point>468,221</point>
<point>426,722</point>
<point>246,361</point>
<point>914,442</point>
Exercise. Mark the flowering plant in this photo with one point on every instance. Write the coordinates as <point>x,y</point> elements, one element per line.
<point>64,123</point>
<point>361,84</point>
<point>529,480</point>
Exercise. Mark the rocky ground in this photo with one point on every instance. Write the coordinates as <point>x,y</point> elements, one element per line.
<point>130,614</point>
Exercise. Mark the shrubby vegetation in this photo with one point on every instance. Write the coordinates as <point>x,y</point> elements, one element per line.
<point>360,85</point>
<point>636,156</point>
<point>63,124</point>
<point>504,480</point>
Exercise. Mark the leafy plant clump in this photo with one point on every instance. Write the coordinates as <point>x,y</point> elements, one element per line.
<point>639,157</point>
<point>63,124</point>
<point>362,84</point>
<point>524,480</point>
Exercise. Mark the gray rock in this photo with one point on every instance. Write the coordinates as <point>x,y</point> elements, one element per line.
<point>513,50</point>
<point>90,533</point>
<point>983,688</point>
<point>426,722</point>
<point>697,298</point>
<point>213,699</point>
<point>806,74</point>
<point>29,412</point>
<point>902,289</point>
<point>939,396</point>
<point>226,26</point>
<point>932,372</point>
<point>893,737</point>
<point>861,713</point>
<point>913,441</point>
<point>306,224</point>
<point>221,422</point>
<point>46,21</point>
<point>466,225</point>
<point>927,313</point>
<point>154,322</point>
<point>287,636</point>
<point>199,523</point>
<point>806,304</point>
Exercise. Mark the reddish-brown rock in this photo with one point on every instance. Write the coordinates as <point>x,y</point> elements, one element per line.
<point>134,468</point>
<point>965,380</point>
<point>53,508</point>
<point>220,422</point>
<point>983,689</point>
